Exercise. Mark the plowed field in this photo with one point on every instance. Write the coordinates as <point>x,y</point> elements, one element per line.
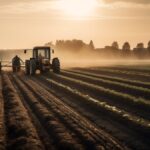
<point>82,108</point>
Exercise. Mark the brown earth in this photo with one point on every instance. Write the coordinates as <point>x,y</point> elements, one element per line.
<point>81,108</point>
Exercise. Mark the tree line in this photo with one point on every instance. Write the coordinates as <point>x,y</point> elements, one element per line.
<point>125,51</point>
<point>72,45</point>
<point>139,51</point>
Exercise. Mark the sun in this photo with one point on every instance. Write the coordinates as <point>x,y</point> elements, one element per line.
<point>78,8</point>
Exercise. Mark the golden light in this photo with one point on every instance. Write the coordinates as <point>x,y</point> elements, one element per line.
<point>78,8</point>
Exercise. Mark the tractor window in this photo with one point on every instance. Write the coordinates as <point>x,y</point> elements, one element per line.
<point>47,54</point>
<point>41,53</point>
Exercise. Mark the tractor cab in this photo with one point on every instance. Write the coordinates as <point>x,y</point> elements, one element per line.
<point>41,60</point>
<point>42,53</point>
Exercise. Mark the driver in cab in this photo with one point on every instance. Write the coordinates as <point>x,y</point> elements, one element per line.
<point>40,56</point>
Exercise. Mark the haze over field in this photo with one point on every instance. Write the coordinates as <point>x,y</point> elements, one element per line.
<point>75,74</point>
<point>26,23</point>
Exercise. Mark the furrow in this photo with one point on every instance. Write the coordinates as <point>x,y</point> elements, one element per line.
<point>120,87</point>
<point>62,137</point>
<point>2,120</point>
<point>89,135</point>
<point>107,72</point>
<point>20,130</point>
<point>124,101</point>
<point>114,120</point>
<point>44,137</point>
<point>113,78</point>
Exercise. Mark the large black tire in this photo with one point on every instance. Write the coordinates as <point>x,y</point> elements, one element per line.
<point>27,67</point>
<point>32,67</point>
<point>56,65</point>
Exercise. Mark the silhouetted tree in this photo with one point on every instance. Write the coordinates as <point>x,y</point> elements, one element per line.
<point>115,45</point>
<point>74,45</point>
<point>49,44</point>
<point>59,43</point>
<point>77,44</point>
<point>126,49</point>
<point>148,45</point>
<point>140,51</point>
<point>140,46</point>
<point>148,48</point>
<point>126,46</point>
<point>91,45</point>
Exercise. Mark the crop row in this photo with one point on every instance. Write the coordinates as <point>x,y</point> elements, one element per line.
<point>135,76</point>
<point>121,72</point>
<point>111,96</point>
<point>140,69</point>
<point>21,133</point>
<point>67,120</point>
<point>112,78</point>
<point>2,128</point>
<point>88,134</point>
<point>62,139</point>
<point>134,123</point>
<point>121,87</point>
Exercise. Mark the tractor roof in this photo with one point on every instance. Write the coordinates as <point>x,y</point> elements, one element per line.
<point>42,47</point>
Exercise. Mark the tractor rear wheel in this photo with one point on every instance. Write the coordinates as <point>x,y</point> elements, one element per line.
<point>32,67</point>
<point>27,67</point>
<point>56,65</point>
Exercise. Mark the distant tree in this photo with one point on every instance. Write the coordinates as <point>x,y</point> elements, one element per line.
<point>77,44</point>
<point>115,45</point>
<point>71,45</point>
<point>91,45</point>
<point>148,45</point>
<point>49,44</point>
<point>126,46</point>
<point>148,48</point>
<point>140,46</point>
<point>126,49</point>
<point>59,43</point>
<point>140,51</point>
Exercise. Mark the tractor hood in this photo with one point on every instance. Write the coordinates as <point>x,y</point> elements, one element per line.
<point>45,61</point>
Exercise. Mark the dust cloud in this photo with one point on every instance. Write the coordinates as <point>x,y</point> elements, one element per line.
<point>88,59</point>
<point>70,59</point>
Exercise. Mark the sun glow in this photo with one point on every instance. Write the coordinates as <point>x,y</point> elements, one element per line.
<point>78,8</point>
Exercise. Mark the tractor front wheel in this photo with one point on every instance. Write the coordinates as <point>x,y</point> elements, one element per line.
<point>56,65</point>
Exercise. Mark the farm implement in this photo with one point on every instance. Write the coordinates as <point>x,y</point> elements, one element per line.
<point>11,64</point>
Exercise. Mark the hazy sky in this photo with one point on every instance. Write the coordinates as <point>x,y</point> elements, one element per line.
<point>26,23</point>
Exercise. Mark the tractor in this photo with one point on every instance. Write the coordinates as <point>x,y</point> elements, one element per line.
<point>41,60</point>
